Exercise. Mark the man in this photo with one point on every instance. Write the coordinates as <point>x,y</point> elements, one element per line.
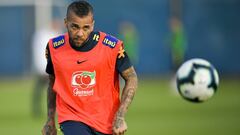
<point>84,68</point>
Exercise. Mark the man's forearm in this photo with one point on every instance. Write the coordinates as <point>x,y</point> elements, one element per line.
<point>51,99</point>
<point>129,91</point>
<point>49,128</point>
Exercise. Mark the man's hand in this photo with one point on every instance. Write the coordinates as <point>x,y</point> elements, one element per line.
<point>119,126</point>
<point>49,128</point>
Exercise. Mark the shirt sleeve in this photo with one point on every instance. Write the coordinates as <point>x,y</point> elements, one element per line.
<point>123,61</point>
<point>49,67</point>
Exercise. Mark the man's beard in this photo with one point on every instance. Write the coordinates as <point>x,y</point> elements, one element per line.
<point>74,41</point>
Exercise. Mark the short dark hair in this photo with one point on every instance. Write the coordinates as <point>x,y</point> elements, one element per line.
<point>80,7</point>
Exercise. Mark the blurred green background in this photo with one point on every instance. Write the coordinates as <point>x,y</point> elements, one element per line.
<point>156,110</point>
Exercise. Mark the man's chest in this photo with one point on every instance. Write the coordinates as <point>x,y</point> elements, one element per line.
<point>92,60</point>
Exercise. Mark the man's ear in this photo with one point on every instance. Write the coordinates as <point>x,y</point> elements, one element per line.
<point>93,24</point>
<point>65,22</point>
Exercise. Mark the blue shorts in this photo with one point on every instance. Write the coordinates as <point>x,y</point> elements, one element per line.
<point>77,128</point>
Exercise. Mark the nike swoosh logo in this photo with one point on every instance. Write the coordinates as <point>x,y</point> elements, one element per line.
<point>79,61</point>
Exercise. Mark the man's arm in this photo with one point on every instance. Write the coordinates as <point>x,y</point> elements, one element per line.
<point>129,90</point>
<point>50,128</point>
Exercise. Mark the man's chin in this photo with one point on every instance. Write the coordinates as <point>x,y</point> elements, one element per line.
<point>78,44</point>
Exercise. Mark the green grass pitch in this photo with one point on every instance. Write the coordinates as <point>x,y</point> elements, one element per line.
<point>154,111</point>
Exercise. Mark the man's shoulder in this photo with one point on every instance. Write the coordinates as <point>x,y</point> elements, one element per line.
<point>107,35</point>
<point>109,40</point>
<point>59,40</point>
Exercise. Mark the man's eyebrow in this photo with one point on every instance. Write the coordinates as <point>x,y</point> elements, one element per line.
<point>75,24</point>
<point>87,25</point>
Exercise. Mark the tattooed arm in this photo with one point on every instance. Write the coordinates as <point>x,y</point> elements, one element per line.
<point>129,90</point>
<point>49,127</point>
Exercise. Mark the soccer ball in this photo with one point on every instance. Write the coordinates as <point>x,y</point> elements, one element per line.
<point>197,80</point>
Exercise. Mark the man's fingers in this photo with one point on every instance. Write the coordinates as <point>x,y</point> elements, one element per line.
<point>119,126</point>
<point>119,131</point>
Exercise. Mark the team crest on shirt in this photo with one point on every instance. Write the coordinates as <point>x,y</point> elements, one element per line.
<point>110,41</point>
<point>58,41</point>
<point>83,83</point>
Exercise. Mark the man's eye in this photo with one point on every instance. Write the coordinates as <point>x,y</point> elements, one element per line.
<point>86,28</point>
<point>74,27</point>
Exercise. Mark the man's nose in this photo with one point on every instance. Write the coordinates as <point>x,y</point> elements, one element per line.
<point>80,33</point>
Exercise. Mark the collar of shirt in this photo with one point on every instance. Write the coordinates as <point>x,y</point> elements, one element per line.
<point>87,46</point>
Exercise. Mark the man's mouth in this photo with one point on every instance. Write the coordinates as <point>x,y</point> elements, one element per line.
<point>78,39</point>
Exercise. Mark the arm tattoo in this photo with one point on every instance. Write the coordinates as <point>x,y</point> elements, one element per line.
<point>51,98</point>
<point>118,122</point>
<point>129,90</point>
